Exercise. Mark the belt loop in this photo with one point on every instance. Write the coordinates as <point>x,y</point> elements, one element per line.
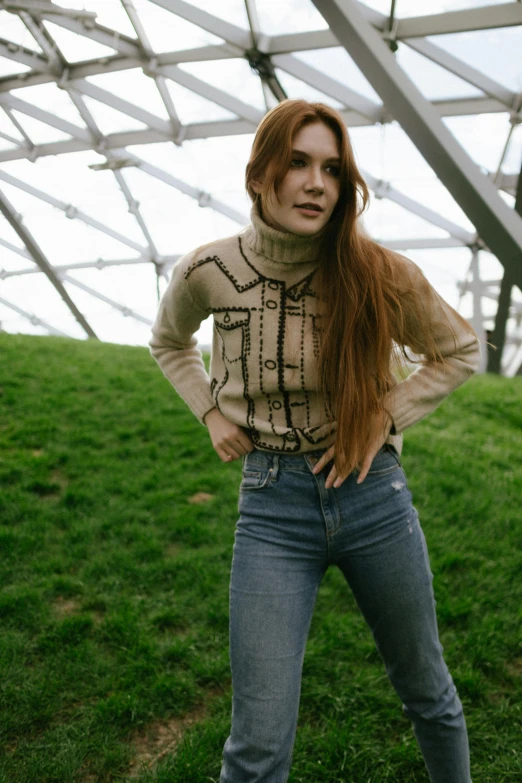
<point>275,465</point>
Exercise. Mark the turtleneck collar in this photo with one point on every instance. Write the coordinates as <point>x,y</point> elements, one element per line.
<point>280,246</point>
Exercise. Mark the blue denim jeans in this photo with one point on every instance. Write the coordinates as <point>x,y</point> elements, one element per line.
<point>290,529</point>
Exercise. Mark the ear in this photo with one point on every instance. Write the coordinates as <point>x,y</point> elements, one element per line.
<point>257,185</point>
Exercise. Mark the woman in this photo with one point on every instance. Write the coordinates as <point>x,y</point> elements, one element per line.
<point>308,312</point>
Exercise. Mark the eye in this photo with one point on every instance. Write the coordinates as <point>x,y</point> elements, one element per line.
<point>335,170</point>
<point>295,162</point>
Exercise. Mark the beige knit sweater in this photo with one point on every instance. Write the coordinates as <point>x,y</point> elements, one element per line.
<point>258,285</point>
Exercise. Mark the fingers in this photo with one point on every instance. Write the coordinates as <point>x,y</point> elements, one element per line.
<point>325,459</point>
<point>230,441</point>
<point>364,470</point>
<point>367,464</point>
<point>230,450</point>
<point>333,480</point>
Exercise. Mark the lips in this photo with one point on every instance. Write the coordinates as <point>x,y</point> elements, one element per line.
<point>310,205</point>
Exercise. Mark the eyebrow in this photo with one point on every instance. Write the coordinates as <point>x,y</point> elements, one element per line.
<point>306,155</point>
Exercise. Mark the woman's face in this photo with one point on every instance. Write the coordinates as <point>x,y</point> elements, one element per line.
<point>312,180</point>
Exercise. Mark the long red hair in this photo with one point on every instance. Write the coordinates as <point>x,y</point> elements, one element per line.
<point>368,301</point>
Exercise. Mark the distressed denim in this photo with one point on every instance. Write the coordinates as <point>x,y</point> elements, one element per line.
<point>290,530</point>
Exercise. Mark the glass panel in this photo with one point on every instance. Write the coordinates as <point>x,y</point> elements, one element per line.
<point>387,153</point>
<point>76,48</point>
<point>495,52</point>
<point>37,296</point>
<point>39,132</point>
<point>430,192</point>
<point>233,76</point>
<point>168,32</point>
<point>232,11</point>
<point>67,241</point>
<point>295,88</point>
<point>12,134</point>
<point>69,179</point>
<point>10,67</point>
<point>387,220</point>
<point>406,8</point>
<point>434,81</point>
<point>132,85</point>
<point>111,120</point>
<point>192,108</point>
<point>337,63</point>
<point>445,268</point>
<point>15,30</point>
<point>8,233</point>
<point>297,16</point>
<point>50,98</point>
<point>11,261</point>
<point>175,220</point>
<point>482,136</point>
<point>110,13</point>
<point>513,159</point>
<point>219,166</point>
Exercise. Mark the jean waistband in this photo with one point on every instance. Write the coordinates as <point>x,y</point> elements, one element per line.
<point>275,459</point>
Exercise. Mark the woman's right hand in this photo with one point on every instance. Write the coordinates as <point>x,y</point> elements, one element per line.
<point>230,441</point>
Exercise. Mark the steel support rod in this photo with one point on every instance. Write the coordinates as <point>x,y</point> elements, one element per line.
<point>498,336</point>
<point>36,254</point>
<point>498,225</point>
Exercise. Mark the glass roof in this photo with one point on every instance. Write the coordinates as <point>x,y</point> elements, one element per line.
<point>123,141</point>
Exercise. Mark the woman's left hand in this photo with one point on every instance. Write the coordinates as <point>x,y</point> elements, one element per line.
<point>333,479</point>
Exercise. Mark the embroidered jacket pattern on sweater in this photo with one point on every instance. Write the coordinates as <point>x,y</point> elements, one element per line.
<point>258,286</point>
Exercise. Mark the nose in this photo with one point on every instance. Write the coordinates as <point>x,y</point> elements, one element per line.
<point>315,179</point>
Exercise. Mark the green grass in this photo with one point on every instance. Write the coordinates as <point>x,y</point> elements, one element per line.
<point>114,586</point>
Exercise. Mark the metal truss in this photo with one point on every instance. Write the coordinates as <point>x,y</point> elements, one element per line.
<point>32,318</point>
<point>498,227</point>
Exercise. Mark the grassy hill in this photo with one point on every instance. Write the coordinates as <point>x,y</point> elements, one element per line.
<point>114,574</point>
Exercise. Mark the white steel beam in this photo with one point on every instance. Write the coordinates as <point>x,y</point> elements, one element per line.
<point>206,90</point>
<point>126,311</point>
<point>148,52</point>
<point>463,71</point>
<point>420,244</point>
<point>126,107</point>
<point>315,39</point>
<point>71,211</point>
<point>200,54</point>
<point>498,225</point>
<point>113,165</point>
<point>162,261</point>
<point>42,115</point>
<point>113,39</point>
<point>38,7</point>
<point>335,89</point>
<point>23,55</point>
<point>55,58</point>
<point>204,199</point>
<point>461,106</point>
<point>35,320</point>
<point>39,258</point>
<point>482,18</point>
<point>230,33</point>
<point>385,190</point>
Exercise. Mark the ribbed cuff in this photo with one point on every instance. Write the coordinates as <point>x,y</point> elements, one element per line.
<point>201,401</point>
<point>203,417</point>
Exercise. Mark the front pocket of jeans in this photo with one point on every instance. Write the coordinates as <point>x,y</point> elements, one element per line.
<point>385,461</point>
<point>255,479</point>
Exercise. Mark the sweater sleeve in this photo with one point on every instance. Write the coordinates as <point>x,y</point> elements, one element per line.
<point>174,346</point>
<point>421,392</point>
